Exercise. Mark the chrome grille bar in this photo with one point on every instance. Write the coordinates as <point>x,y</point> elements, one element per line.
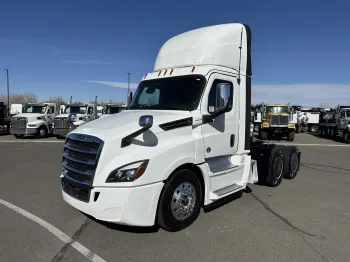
<point>80,159</point>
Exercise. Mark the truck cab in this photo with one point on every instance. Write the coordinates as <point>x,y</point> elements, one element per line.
<point>184,142</point>
<point>36,119</point>
<point>111,109</point>
<point>277,121</point>
<point>5,119</point>
<point>74,116</point>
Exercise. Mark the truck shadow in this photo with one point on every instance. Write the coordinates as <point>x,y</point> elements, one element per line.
<point>123,228</point>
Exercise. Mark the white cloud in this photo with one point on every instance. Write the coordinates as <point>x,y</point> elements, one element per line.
<point>114,84</point>
<point>84,62</point>
<point>302,94</point>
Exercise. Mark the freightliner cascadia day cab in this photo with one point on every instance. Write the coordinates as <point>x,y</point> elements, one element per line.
<point>185,142</point>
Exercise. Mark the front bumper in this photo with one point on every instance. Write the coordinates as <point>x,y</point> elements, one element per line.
<point>64,131</point>
<point>136,206</point>
<point>23,131</point>
<point>61,131</point>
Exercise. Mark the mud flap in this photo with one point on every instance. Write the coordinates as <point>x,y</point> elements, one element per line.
<point>253,172</point>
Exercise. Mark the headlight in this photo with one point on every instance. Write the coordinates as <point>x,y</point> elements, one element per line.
<point>128,173</point>
<point>41,118</point>
<point>82,118</point>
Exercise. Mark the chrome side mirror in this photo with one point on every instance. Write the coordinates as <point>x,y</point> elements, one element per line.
<point>146,121</point>
<point>72,117</point>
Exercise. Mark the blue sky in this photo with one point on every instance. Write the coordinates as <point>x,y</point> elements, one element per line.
<point>300,49</point>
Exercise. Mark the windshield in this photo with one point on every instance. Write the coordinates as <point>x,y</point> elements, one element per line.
<point>75,109</point>
<point>35,109</point>
<point>277,109</point>
<point>173,93</point>
<point>114,110</point>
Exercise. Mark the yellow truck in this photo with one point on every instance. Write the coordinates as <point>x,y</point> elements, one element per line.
<point>277,121</point>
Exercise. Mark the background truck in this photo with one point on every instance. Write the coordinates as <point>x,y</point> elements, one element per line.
<point>335,123</point>
<point>16,109</point>
<point>277,121</point>
<point>74,116</point>
<point>5,119</point>
<point>36,119</point>
<point>257,118</point>
<point>111,109</point>
<point>184,142</point>
<point>312,118</point>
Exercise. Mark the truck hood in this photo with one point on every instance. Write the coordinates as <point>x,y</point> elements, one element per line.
<point>126,122</point>
<point>31,116</point>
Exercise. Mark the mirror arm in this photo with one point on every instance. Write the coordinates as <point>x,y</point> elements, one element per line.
<point>126,141</point>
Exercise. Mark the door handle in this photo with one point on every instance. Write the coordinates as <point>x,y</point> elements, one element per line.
<point>232,140</point>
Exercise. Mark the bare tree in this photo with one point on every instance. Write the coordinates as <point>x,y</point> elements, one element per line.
<point>20,98</point>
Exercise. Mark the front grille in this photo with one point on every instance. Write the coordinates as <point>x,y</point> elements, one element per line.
<point>80,158</point>
<point>61,123</point>
<point>278,120</point>
<point>19,122</point>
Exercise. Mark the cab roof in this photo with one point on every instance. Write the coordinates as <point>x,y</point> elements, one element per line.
<point>213,45</point>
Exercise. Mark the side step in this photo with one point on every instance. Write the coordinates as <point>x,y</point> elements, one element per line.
<point>225,190</point>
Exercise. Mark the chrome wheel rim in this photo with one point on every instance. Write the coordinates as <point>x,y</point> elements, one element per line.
<point>42,132</point>
<point>183,201</point>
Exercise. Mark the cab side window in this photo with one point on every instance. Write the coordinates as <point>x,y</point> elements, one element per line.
<point>51,110</point>
<point>220,96</point>
<point>90,111</point>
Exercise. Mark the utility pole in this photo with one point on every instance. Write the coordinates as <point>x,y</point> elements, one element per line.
<point>8,90</point>
<point>127,97</point>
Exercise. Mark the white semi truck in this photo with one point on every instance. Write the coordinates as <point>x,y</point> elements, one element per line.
<point>111,109</point>
<point>74,116</point>
<point>183,144</point>
<point>36,119</point>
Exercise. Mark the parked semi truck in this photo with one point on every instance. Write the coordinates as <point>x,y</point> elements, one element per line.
<point>74,116</point>
<point>277,121</point>
<point>5,119</point>
<point>183,144</point>
<point>111,109</point>
<point>312,115</point>
<point>36,119</point>
<point>335,123</point>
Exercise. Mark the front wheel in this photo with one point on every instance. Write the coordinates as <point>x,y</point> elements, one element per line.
<point>19,136</point>
<point>180,202</point>
<point>263,135</point>
<point>42,132</point>
<point>290,136</point>
<point>346,137</point>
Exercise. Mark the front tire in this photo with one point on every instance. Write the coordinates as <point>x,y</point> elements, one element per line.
<point>290,136</point>
<point>263,135</point>
<point>346,137</point>
<point>19,136</point>
<point>42,132</point>
<point>180,202</point>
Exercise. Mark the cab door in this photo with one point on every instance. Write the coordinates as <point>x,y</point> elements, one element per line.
<point>220,110</point>
<point>220,135</point>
